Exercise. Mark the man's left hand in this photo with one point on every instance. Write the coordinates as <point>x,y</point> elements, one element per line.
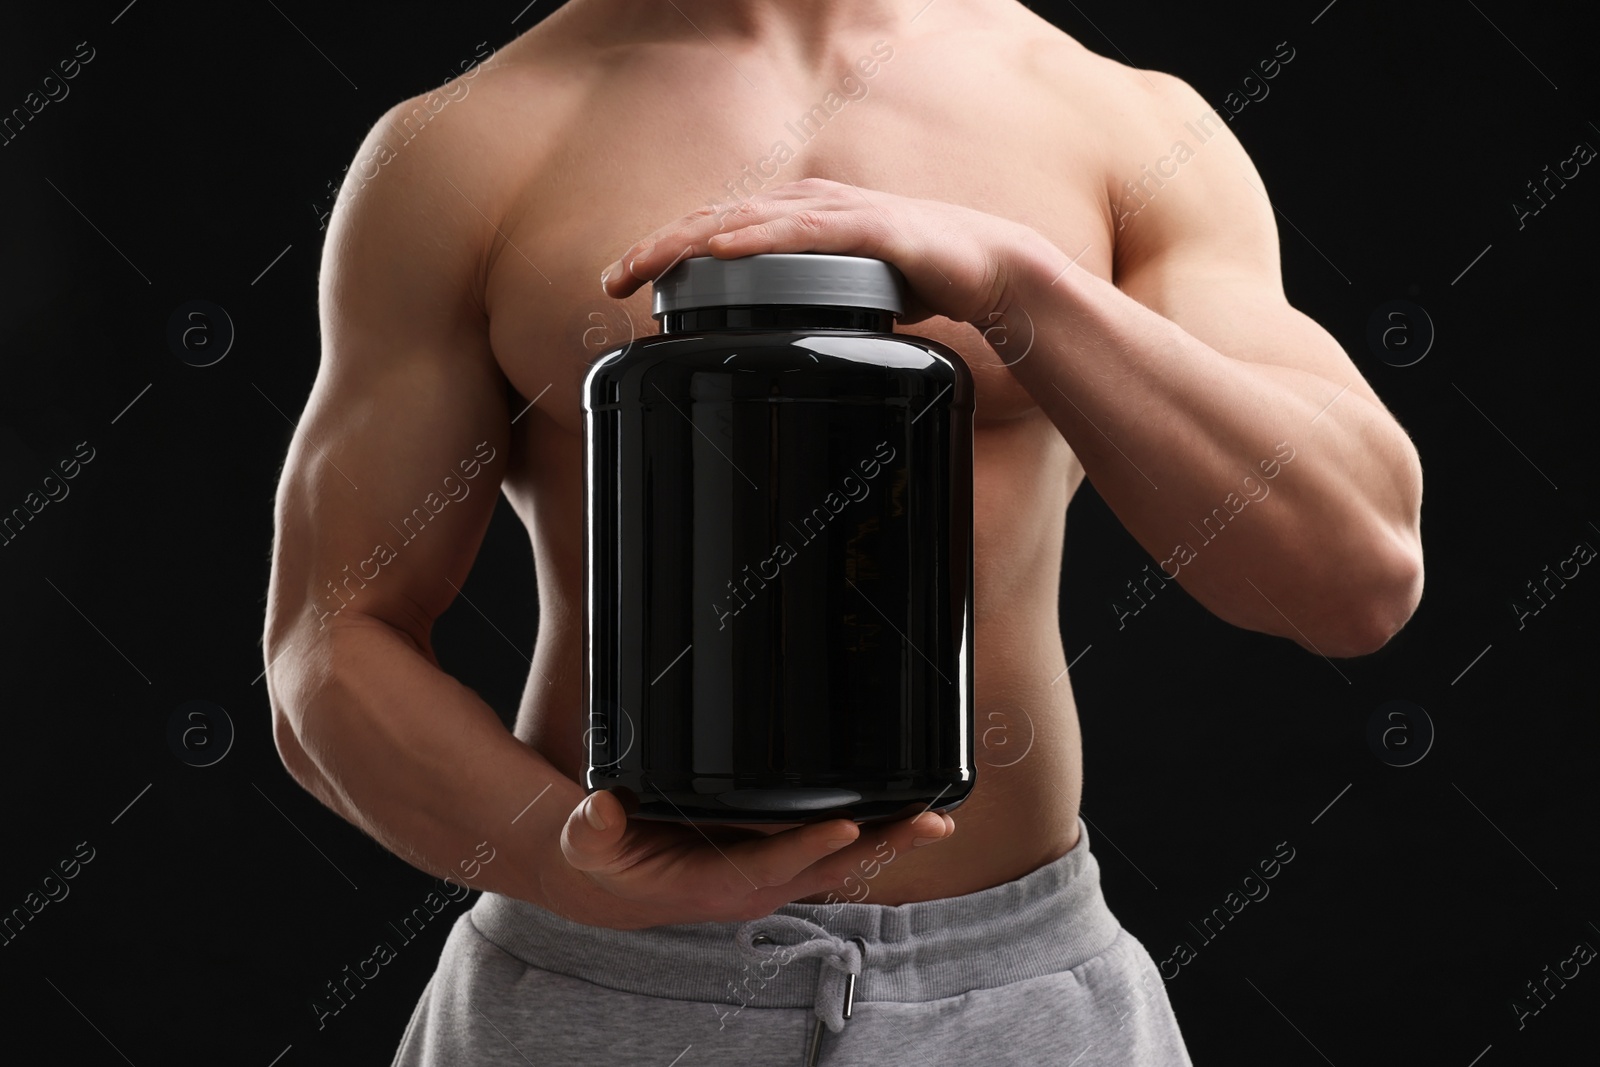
<point>959,263</point>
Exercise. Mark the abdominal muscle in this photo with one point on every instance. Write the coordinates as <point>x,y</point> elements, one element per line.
<point>1020,815</point>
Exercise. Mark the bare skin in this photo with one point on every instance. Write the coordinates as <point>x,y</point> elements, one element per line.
<point>985,153</point>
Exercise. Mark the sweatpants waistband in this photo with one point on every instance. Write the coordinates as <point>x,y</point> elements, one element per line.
<point>1050,920</point>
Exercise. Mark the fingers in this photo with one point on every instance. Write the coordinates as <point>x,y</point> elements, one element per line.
<point>651,256</point>
<point>779,227</point>
<point>776,859</point>
<point>638,265</point>
<point>592,837</point>
<point>684,877</point>
<point>873,850</point>
<point>834,232</point>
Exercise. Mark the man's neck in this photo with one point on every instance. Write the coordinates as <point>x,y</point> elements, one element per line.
<point>807,25</point>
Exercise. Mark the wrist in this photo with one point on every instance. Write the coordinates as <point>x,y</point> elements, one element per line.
<point>1032,265</point>
<point>555,879</point>
<point>1027,261</point>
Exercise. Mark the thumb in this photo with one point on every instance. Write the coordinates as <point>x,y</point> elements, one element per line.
<point>594,831</point>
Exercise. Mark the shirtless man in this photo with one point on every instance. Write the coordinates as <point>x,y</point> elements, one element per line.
<point>1036,196</point>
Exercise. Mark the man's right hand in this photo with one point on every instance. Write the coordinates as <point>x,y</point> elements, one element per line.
<point>652,873</point>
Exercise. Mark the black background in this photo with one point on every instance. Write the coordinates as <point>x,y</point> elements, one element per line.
<point>199,143</point>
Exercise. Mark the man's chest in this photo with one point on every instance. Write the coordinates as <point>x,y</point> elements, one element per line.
<point>549,319</point>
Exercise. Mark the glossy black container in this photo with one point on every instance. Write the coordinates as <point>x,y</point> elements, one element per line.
<point>778,567</point>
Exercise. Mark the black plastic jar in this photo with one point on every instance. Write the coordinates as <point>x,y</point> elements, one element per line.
<point>778,551</point>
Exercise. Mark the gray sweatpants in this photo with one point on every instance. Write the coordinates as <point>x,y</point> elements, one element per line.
<point>1034,971</point>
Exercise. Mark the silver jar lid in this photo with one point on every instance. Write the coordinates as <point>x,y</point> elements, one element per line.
<point>789,278</point>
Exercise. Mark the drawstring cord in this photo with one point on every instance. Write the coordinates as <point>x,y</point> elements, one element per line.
<point>786,938</point>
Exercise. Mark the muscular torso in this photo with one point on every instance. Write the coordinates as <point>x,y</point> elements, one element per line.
<point>597,146</point>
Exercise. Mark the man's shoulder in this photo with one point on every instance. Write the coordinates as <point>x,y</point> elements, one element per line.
<point>1116,91</point>
<point>475,118</point>
<point>456,155</point>
<point>1171,167</point>
<point>1107,113</point>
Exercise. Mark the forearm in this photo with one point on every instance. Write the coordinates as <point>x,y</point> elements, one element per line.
<point>381,735</point>
<point>1166,425</point>
<point>1173,433</point>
